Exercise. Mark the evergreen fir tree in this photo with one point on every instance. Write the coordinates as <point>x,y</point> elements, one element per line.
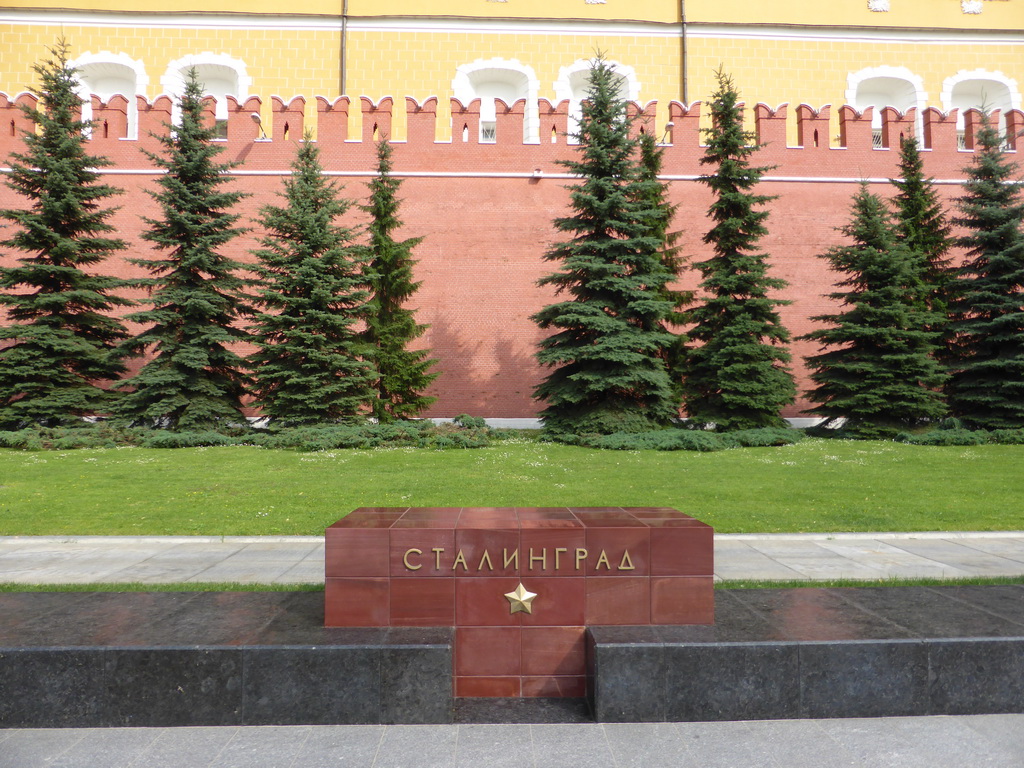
<point>608,344</point>
<point>986,387</point>
<point>57,349</point>
<point>921,225</point>
<point>737,378</point>
<point>402,373</point>
<point>655,195</point>
<point>310,365</point>
<point>879,372</point>
<point>194,379</point>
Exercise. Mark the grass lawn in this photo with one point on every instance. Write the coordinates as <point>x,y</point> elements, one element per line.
<point>816,485</point>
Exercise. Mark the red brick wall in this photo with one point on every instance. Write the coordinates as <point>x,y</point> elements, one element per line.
<point>486,212</point>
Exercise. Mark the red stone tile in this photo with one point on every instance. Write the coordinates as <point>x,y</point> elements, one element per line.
<point>444,514</point>
<point>485,552</point>
<point>682,600</point>
<point>559,602</point>
<point>371,517</point>
<point>674,522</point>
<point>610,517</point>
<point>615,543</point>
<point>489,517</point>
<point>551,651</point>
<point>551,514</point>
<point>488,687</point>
<point>481,601</point>
<point>487,651</point>
<point>554,687</point>
<point>423,602</point>
<point>356,552</point>
<point>618,600</point>
<point>423,541</point>
<point>682,551</point>
<point>356,602</point>
<point>551,542</point>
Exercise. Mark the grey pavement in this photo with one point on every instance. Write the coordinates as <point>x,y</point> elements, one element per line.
<point>977,741</point>
<point>300,559</point>
<point>906,742</point>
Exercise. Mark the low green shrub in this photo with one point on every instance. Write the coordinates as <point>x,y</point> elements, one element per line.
<point>955,436</point>
<point>686,439</point>
<point>164,439</point>
<point>465,432</point>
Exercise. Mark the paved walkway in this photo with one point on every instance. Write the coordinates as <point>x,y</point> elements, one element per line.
<point>932,742</point>
<point>300,559</point>
<point>980,741</point>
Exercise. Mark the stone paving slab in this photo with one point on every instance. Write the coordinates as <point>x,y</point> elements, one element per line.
<point>299,559</point>
<point>978,741</point>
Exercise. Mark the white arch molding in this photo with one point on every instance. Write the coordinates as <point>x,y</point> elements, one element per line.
<point>506,79</point>
<point>573,81</point>
<point>977,89</point>
<point>106,74</point>
<point>220,74</point>
<point>887,86</point>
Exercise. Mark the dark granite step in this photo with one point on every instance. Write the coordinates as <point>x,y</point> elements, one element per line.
<point>773,654</point>
<point>163,659</point>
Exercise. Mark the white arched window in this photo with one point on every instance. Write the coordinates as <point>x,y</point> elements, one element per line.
<point>221,75</point>
<point>574,81</point>
<point>979,89</point>
<point>881,87</point>
<point>505,79</point>
<point>106,74</point>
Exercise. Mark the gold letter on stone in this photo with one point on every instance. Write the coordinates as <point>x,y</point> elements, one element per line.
<point>512,559</point>
<point>460,558</point>
<point>485,558</point>
<point>558,552</point>
<point>542,557</point>
<point>581,556</point>
<point>603,559</point>
<point>409,565</point>
<point>626,564</point>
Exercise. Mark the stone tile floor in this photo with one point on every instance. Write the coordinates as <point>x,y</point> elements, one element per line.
<point>300,559</point>
<point>976,741</point>
<point>932,742</point>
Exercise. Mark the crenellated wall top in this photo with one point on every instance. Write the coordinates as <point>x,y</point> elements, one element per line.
<point>355,125</point>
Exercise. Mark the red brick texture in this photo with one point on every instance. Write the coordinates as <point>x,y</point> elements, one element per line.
<point>485,210</point>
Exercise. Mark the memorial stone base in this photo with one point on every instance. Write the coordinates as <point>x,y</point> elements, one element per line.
<point>519,585</point>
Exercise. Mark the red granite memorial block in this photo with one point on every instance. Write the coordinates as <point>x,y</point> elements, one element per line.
<point>520,585</point>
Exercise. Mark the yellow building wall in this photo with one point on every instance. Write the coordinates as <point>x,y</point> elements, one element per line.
<point>634,10</point>
<point>394,58</point>
<point>273,57</point>
<point>814,72</point>
<point>910,14</point>
<point>423,64</point>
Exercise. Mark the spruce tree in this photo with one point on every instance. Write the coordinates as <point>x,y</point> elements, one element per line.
<point>57,349</point>
<point>737,375</point>
<point>879,372</point>
<point>921,225</point>
<point>310,364</point>
<point>654,193</point>
<point>194,378</point>
<point>607,349</point>
<point>986,387</point>
<point>402,373</point>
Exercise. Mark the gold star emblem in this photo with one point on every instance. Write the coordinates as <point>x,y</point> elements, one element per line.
<point>521,599</point>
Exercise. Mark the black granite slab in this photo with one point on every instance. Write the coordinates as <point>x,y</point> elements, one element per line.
<point>247,658</point>
<point>169,659</point>
<point>864,652</point>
